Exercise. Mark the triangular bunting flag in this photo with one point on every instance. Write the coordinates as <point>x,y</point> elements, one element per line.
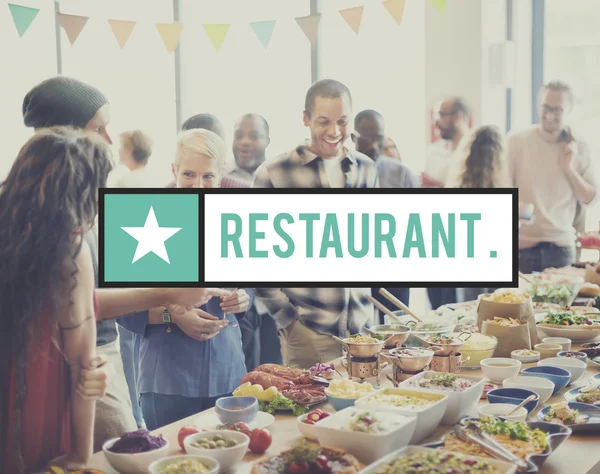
<point>264,31</point>
<point>23,17</point>
<point>310,26</point>
<point>73,24</point>
<point>440,5</point>
<point>217,34</point>
<point>122,30</point>
<point>170,34</point>
<point>353,17</point>
<point>395,8</point>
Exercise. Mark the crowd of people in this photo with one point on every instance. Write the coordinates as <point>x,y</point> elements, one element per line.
<point>155,356</point>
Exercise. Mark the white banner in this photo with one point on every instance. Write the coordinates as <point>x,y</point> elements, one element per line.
<point>357,238</point>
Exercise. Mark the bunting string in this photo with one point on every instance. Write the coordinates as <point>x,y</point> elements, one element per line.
<point>170,33</point>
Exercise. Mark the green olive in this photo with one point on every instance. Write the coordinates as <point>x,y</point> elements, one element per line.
<point>212,444</point>
<point>231,443</point>
<point>220,443</point>
<point>203,440</point>
<point>217,437</point>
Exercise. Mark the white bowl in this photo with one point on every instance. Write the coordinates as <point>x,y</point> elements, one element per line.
<point>574,366</point>
<point>428,416</point>
<point>543,387</point>
<point>367,448</point>
<point>226,457</point>
<point>212,465</point>
<point>137,463</point>
<point>499,374</point>
<point>460,404</point>
<point>500,467</point>
<point>308,431</point>
<point>525,359</point>
<point>563,342</point>
<point>503,409</point>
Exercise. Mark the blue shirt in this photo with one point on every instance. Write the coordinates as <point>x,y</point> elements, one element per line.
<point>395,174</point>
<point>175,364</point>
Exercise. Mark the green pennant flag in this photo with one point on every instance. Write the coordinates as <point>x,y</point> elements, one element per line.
<point>217,33</point>
<point>440,4</point>
<point>264,31</point>
<point>23,17</point>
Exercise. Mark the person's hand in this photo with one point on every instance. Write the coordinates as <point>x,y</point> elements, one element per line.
<point>92,382</point>
<point>190,297</point>
<point>237,302</point>
<point>568,152</point>
<point>199,324</point>
<point>428,182</point>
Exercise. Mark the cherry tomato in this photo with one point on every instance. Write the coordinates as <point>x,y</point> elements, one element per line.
<point>308,421</point>
<point>184,432</point>
<point>324,415</point>
<point>260,440</point>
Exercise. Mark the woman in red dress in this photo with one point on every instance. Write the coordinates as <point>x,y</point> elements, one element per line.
<point>47,303</point>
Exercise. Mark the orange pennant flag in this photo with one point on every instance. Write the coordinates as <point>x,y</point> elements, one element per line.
<point>310,26</point>
<point>395,8</point>
<point>353,17</point>
<point>73,24</point>
<point>122,30</point>
<point>170,34</point>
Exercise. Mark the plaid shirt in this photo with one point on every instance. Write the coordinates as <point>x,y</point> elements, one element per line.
<point>300,168</point>
<point>331,311</point>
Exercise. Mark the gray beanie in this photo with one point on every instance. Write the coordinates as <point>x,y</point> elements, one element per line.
<point>61,101</point>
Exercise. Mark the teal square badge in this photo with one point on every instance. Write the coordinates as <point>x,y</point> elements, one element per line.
<point>150,238</point>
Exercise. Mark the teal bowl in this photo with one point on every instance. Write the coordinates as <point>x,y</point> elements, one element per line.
<point>234,409</point>
<point>340,403</point>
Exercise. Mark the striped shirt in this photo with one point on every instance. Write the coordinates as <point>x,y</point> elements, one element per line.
<point>330,311</point>
<point>300,168</point>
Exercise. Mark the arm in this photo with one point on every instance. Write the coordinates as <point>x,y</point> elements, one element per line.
<point>579,172</point>
<point>78,330</point>
<point>512,158</point>
<point>278,305</point>
<point>261,178</point>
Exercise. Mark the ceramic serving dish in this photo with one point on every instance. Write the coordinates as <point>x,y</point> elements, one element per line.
<point>503,410</point>
<point>574,366</point>
<point>544,388</point>
<point>501,467</point>
<point>571,395</point>
<point>555,436</point>
<point>592,425</point>
<point>513,396</point>
<point>559,377</point>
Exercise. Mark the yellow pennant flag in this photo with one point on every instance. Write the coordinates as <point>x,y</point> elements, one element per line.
<point>121,30</point>
<point>310,26</point>
<point>440,5</point>
<point>72,24</point>
<point>170,34</point>
<point>217,33</point>
<point>353,17</point>
<point>395,8</point>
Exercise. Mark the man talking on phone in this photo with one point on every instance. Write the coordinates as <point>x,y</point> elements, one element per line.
<point>553,171</point>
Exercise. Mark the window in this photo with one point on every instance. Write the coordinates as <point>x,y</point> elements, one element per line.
<point>243,76</point>
<point>383,66</point>
<point>138,80</point>
<point>572,54</point>
<point>25,62</point>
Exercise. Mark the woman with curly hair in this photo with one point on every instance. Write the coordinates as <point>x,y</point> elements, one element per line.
<point>482,164</point>
<point>48,310</point>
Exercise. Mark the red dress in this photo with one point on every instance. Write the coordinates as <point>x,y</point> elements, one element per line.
<point>46,412</point>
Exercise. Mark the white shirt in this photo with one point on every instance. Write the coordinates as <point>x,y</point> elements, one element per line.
<point>333,168</point>
<point>535,170</point>
<point>439,157</point>
<point>122,177</point>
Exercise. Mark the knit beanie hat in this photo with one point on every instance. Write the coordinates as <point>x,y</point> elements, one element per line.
<point>61,101</point>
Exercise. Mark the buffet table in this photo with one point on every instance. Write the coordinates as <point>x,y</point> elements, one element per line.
<point>578,455</point>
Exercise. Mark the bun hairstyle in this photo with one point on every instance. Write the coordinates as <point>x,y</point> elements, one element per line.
<point>140,145</point>
<point>484,163</point>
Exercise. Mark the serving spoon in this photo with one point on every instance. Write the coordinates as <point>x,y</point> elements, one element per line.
<point>522,404</point>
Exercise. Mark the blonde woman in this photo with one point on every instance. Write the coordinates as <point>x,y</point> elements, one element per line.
<point>481,163</point>
<point>187,364</point>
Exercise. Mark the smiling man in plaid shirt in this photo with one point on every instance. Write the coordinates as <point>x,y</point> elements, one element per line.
<point>308,317</point>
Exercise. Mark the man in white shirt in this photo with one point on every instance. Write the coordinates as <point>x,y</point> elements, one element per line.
<point>554,172</point>
<point>453,125</point>
<point>136,148</point>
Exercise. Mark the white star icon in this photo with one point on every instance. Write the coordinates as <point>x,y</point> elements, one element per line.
<point>151,237</point>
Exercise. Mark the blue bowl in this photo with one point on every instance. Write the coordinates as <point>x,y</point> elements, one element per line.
<point>514,396</point>
<point>582,356</point>
<point>234,409</point>
<point>559,377</point>
<point>340,403</point>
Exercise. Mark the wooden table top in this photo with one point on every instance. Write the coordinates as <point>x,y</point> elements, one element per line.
<point>579,454</point>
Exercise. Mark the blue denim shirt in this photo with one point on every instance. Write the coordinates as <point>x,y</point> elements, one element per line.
<point>175,364</point>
